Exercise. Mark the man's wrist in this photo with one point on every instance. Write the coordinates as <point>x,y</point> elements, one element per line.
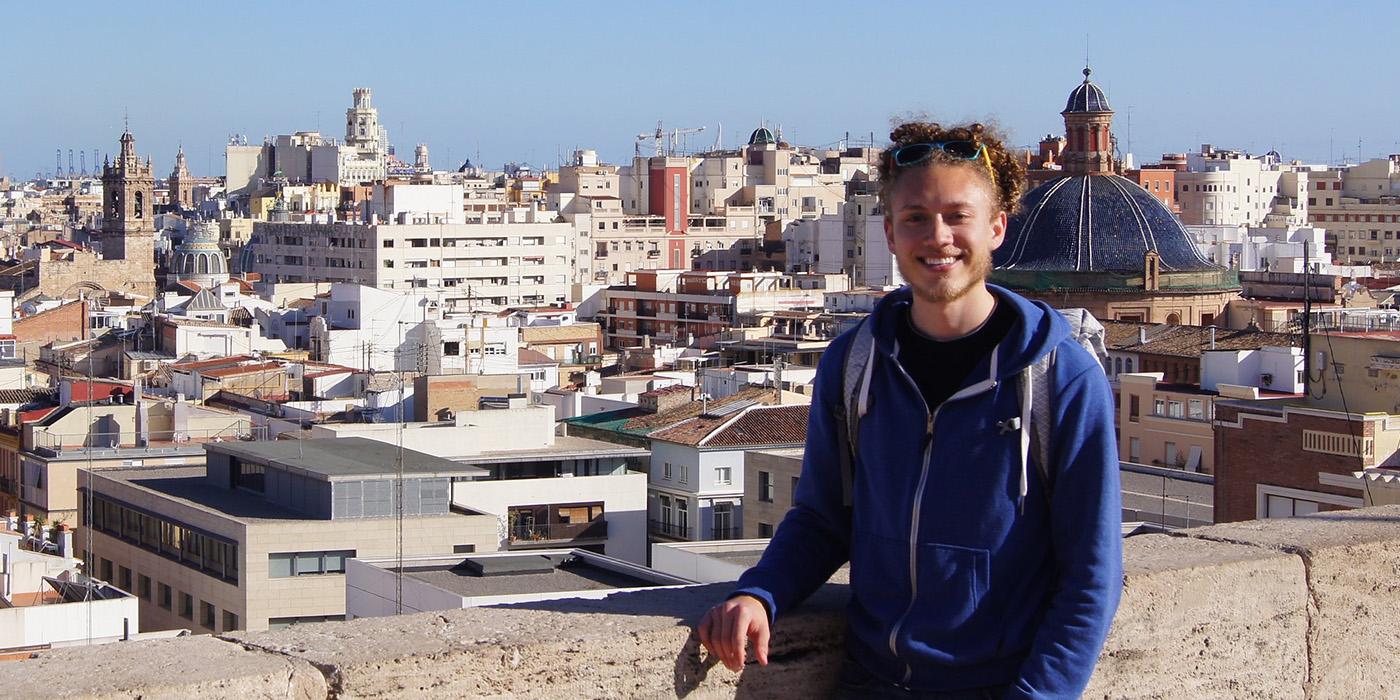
<point>767,611</point>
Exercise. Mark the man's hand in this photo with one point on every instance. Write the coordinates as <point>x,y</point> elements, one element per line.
<point>728,627</point>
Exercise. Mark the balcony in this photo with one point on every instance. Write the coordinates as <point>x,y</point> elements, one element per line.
<point>728,533</point>
<point>154,441</point>
<point>557,533</point>
<point>646,310</point>
<point>668,529</point>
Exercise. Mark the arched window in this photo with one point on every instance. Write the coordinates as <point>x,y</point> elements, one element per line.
<point>203,264</point>
<point>1174,319</point>
<point>1117,365</point>
<point>140,201</point>
<point>187,264</point>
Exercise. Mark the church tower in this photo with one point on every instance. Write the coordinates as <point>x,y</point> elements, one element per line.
<point>362,123</point>
<point>1089,131</point>
<point>128,226</point>
<point>181,183</point>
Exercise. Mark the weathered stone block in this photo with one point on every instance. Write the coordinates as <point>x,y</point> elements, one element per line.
<point>1352,560</point>
<point>162,669</point>
<point>1205,619</point>
<point>629,645</point>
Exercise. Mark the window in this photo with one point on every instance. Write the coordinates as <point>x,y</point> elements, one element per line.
<point>452,348</point>
<point>143,587</point>
<point>765,529</point>
<point>1159,406</point>
<point>723,476</point>
<point>277,623</point>
<point>124,578</point>
<point>765,486</point>
<point>685,474</point>
<point>792,494</point>
<point>247,476</point>
<point>665,506</point>
<point>1134,450</point>
<point>287,564</point>
<point>1170,454</point>
<point>1133,408</point>
<point>1196,409</point>
<point>206,614</point>
<point>164,599</point>
<point>230,621</point>
<point>187,606</point>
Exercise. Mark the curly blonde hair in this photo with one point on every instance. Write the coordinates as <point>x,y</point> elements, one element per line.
<point>1010,181</point>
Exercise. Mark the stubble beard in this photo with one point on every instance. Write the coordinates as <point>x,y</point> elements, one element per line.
<point>945,290</point>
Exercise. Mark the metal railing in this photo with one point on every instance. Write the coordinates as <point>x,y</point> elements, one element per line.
<point>163,440</point>
<point>669,529</point>
<point>728,533</point>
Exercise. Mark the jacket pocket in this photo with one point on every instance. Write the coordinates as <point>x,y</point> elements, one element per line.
<point>945,592</point>
<point>946,621</point>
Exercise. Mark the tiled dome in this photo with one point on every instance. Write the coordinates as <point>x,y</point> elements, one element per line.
<point>1095,223</point>
<point>1087,97</point>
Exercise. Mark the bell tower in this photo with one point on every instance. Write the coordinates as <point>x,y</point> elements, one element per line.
<point>128,222</point>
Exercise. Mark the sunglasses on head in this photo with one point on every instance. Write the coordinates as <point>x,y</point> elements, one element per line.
<point>916,153</point>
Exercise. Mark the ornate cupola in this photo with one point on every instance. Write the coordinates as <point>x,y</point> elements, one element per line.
<point>1089,131</point>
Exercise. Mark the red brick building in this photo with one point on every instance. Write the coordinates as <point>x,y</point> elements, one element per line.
<point>1280,460</point>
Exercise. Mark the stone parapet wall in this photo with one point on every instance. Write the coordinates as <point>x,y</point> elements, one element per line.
<point>1303,608</point>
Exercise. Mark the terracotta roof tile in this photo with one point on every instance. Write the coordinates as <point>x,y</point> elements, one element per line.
<point>526,356</point>
<point>1188,341</point>
<point>665,419</point>
<point>760,425</point>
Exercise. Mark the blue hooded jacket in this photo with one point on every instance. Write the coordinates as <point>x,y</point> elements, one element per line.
<point>956,582</point>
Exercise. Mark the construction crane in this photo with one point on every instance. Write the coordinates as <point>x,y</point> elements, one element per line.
<point>677,134</point>
<point>666,142</point>
<point>658,138</point>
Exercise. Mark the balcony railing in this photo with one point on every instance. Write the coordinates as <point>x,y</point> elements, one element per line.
<point>596,529</point>
<point>729,533</point>
<point>155,440</point>
<point>669,529</point>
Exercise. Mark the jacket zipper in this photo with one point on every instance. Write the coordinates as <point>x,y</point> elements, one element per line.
<point>931,416</point>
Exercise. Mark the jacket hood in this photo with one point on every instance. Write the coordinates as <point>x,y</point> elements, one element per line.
<point>1038,328</point>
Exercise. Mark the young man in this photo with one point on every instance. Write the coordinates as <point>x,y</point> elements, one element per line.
<point>971,576</point>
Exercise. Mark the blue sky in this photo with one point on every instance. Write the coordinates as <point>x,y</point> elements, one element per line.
<point>525,81</point>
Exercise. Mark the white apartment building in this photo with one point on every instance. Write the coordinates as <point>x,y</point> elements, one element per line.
<point>545,490</point>
<point>697,467</point>
<point>1249,248</point>
<point>1224,187</point>
<point>1359,205</point>
<point>474,266</point>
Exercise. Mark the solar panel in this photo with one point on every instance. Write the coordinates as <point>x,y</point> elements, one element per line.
<point>730,408</point>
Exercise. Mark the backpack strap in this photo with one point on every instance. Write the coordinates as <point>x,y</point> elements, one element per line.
<point>855,403</point>
<point>1038,399</point>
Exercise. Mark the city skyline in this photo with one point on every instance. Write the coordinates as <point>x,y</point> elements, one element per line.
<point>531,88</point>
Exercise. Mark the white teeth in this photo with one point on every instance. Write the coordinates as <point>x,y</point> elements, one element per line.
<point>938,261</point>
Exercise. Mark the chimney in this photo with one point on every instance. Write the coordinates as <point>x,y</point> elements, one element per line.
<point>1142,335</point>
<point>12,522</point>
<point>1212,337</point>
<point>64,539</point>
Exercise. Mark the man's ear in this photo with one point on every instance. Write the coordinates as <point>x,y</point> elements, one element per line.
<point>889,232</point>
<point>999,230</point>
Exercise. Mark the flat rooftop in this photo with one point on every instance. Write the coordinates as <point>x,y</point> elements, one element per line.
<point>346,458</point>
<point>564,447</point>
<point>527,573</point>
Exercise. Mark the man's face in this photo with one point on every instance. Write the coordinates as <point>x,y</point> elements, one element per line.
<point>942,226</point>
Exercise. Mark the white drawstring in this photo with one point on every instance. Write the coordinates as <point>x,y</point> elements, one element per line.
<point>1026,392</point>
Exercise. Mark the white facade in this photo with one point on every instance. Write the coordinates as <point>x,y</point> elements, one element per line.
<point>1273,368</point>
<point>690,485</point>
<point>473,266</point>
<point>1226,188</point>
<point>418,204</point>
<point>1251,248</point>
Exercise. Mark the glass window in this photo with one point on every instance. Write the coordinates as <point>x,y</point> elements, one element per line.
<point>279,565</point>
<point>308,563</point>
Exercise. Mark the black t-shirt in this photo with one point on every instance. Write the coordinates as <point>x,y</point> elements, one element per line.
<point>940,368</point>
